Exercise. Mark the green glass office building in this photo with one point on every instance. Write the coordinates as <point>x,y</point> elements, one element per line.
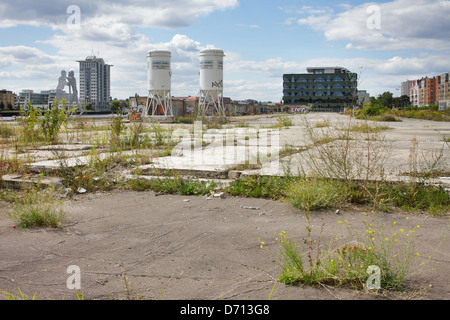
<point>322,89</point>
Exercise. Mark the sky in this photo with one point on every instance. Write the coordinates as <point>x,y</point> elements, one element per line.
<point>384,42</point>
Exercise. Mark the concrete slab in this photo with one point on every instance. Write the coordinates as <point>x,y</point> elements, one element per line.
<point>53,165</point>
<point>26,181</point>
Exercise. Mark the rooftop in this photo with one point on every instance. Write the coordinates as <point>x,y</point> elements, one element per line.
<point>328,69</point>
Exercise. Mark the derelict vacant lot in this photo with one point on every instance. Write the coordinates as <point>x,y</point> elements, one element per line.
<point>200,247</point>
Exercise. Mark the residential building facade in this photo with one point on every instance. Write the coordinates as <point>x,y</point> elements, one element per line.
<point>406,88</point>
<point>7,99</point>
<point>43,99</point>
<point>443,90</point>
<point>323,89</point>
<point>36,99</point>
<point>428,91</point>
<point>95,83</point>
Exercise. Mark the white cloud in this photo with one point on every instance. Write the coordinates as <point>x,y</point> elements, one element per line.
<point>112,35</point>
<point>151,13</point>
<point>403,25</point>
<point>107,29</point>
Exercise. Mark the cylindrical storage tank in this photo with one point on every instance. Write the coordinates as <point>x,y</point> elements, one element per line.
<point>159,70</point>
<point>211,69</point>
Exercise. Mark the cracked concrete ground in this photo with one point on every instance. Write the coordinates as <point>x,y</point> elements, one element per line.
<point>177,247</point>
<point>184,248</point>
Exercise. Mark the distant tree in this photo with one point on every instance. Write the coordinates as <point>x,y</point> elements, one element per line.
<point>89,106</point>
<point>386,99</point>
<point>402,102</point>
<point>115,105</point>
<point>10,106</point>
<point>2,105</point>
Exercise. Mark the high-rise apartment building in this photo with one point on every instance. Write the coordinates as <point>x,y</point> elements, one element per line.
<point>428,91</point>
<point>423,92</point>
<point>414,93</point>
<point>324,89</point>
<point>406,87</point>
<point>95,83</point>
<point>443,90</point>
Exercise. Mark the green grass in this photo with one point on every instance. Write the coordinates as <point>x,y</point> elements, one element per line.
<point>275,188</point>
<point>172,185</point>
<point>38,208</point>
<point>185,120</point>
<point>385,117</point>
<point>425,114</point>
<point>365,128</point>
<point>389,115</point>
<point>283,121</point>
<point>322,124</point>
<point>345,260</point>
<point>7,131</point>
<point>313,194</point>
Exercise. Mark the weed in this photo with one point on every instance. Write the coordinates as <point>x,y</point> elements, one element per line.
<point>185,120</point>
<point>22,296</point>
<point>172,184</point>
<point>322,124</point>
<point>347,158</point>
<point>127,286</point>
<point>289,150</point>
<point>37,208</point>
<point>424,113</point>
<point>284,121</point>
<point>344,261</point>
<point>314,194</point>
<point>365,128</point>
<point>242,124</point>
<point>7,131</point>
<point>52,121</point>
<point>117,128</point>
<point>260,187</point>
<point>28,122</point>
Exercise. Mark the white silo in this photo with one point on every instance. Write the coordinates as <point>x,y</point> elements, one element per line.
<point>211,82</point>
<point>159,101</point>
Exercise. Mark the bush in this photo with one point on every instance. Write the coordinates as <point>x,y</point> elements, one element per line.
<point>372,109</point>
<point>28,122</point>
<point>52,121</point>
